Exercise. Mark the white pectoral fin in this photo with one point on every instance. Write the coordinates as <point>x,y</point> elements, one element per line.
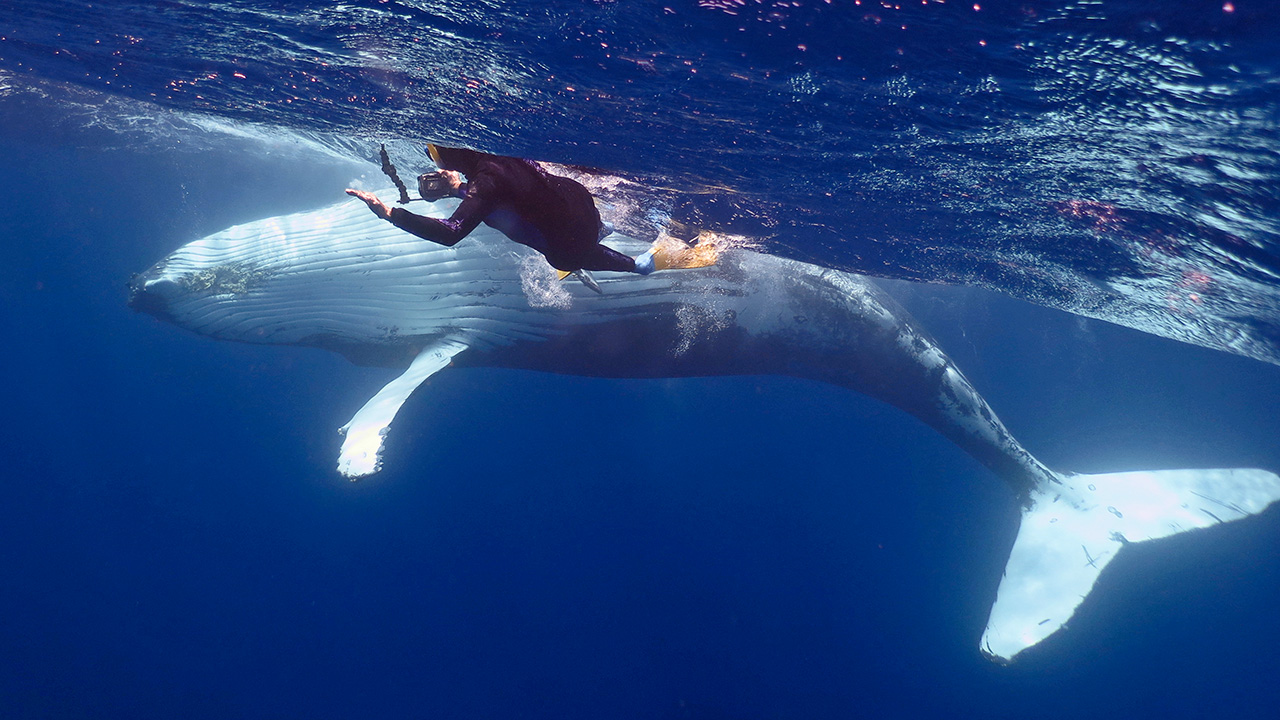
<point>1063,545</point>
<point>362,448</point>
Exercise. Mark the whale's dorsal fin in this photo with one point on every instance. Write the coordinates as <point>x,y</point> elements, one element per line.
<point>362,448</point>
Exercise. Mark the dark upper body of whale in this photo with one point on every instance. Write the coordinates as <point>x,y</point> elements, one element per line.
<point>839,329</point>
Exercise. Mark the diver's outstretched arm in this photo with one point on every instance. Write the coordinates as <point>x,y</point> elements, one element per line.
<point>473,210</point>
<point>375,203</point>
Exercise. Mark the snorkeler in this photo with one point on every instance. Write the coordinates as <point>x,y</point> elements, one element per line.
<point>551,214</point>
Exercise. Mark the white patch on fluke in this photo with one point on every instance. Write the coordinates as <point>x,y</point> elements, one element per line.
<point>1072,530</point>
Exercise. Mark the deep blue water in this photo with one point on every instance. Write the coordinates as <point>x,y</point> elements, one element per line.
<point>174,541</point>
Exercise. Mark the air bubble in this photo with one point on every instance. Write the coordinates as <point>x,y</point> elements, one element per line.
<point>541,286</point>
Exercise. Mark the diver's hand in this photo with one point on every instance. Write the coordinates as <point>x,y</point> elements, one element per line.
<point>378,207</point>
<point>454,178</point>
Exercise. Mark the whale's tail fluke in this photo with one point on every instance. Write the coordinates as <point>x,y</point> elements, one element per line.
<point>1073,529</point>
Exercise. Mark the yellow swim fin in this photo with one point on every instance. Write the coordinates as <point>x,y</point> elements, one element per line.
<point>672,254</point>
<point>562,274</point>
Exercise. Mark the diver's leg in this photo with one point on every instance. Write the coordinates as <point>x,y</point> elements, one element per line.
<point>602,257</point>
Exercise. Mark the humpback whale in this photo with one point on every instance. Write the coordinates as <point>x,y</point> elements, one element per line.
<point>340,279</point>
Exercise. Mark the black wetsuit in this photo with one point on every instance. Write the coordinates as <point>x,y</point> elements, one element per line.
<point>551,214</point>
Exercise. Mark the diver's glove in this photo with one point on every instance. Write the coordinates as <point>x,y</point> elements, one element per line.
<point>644,262</point>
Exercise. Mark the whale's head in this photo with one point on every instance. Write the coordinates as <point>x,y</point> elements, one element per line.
<point>219,296</point>
<point>318,278</point>
<point>337,278</point>
<point>150,292</point>
<point>220,287</point>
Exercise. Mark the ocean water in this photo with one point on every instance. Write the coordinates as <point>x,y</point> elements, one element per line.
<point>174,541</point>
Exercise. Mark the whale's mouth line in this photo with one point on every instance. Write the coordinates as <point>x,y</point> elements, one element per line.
<point>151,296</point>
